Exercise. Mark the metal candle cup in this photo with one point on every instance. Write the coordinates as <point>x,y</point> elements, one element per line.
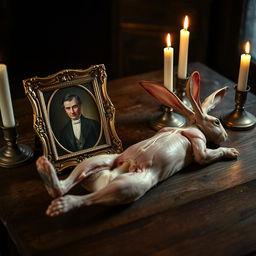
<point>180,91</point>
<point>239,118</point>
<point>13,154</point>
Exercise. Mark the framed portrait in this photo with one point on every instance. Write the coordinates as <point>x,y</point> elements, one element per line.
<point>73,116</point>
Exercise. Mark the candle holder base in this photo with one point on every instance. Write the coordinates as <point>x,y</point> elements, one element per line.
<point>180,91</point>
<point>239,118</point>
<point>168,118</point>
<point>13,154</point>
<point>16,158</point>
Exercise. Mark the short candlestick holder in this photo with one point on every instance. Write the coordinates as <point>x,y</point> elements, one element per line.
<point>239,118</point>
<point>13,154</point>
<point>168,118</point>
<point>180,91</point>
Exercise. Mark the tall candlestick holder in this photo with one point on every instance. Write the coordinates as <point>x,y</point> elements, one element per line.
<point>13,154</point>
<point>180,90</point>
<point>168,118</point>
<point>239,118</point>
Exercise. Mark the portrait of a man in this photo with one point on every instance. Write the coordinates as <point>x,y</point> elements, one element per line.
<point>80,132</point>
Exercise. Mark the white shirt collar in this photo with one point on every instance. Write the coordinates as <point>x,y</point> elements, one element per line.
<point>76,121</point>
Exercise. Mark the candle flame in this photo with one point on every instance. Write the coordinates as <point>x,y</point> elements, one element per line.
<point>247,47</point>
<point>186,22</point>
<point>168,40</point>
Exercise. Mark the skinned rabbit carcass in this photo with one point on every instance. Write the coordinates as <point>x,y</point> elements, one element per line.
<point>123,178</point>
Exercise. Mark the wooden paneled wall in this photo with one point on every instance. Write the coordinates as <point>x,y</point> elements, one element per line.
<point>128,36</point>
<point>140,29</point>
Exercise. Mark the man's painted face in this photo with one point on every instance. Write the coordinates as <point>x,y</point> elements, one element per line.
<point>73,109</point>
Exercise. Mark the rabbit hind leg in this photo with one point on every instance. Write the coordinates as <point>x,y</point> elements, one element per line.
<point>126,188</point>
<point>102,178</point>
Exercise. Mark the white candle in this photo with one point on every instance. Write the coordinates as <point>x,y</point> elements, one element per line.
<point>168,64</point>
<point>244,68</point>
<point>5,99</point>
<point>183,51</point>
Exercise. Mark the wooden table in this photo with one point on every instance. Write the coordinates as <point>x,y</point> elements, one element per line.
<point>208,210</point>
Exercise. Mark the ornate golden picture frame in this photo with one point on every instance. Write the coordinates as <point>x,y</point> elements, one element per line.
<point>69,99</point>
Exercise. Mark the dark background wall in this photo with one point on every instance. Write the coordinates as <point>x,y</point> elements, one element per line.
<point>40,38</point>
<point>43,37</point>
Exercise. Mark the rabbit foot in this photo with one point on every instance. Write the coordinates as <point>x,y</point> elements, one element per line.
<point>230,153</point>
<point>65,204</point>
<point>47,172</point>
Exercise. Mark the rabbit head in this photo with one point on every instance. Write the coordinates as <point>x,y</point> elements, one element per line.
<point>209,125</point>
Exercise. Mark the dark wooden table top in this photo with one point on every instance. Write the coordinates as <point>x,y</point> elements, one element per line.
<point>202,210</point>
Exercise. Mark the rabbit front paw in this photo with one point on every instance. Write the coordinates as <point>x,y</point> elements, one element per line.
<point>230,153</point>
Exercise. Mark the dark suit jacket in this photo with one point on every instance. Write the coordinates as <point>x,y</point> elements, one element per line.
<point>90,132</point>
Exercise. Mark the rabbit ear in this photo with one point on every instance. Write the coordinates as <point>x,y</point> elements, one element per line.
<point>167,98</point>
<point>193,92</point>
<point>212,100</point>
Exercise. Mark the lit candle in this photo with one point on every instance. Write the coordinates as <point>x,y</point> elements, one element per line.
<point>183,52</point>
<point>5,99</point>
<point>168,64</point>
<point>244,68</point>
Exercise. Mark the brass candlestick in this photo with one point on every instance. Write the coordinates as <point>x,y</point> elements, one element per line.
<point>239,118</point>
<point>13,154</point>
<point>180,91</point>
<point>168,118</point>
